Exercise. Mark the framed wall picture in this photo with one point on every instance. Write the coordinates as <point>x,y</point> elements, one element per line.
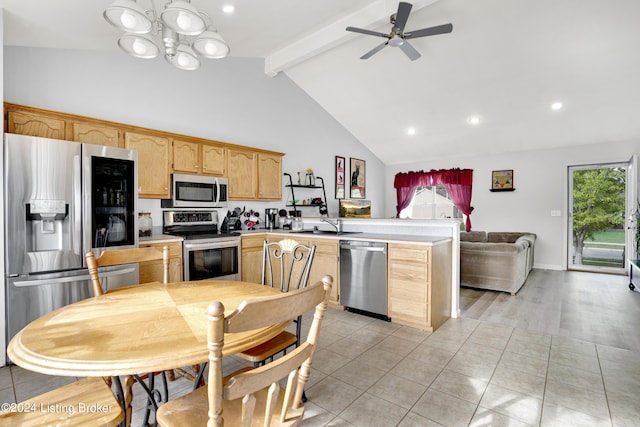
<point>357,179</point>
<point>340,177</point>
<point>502,180</point>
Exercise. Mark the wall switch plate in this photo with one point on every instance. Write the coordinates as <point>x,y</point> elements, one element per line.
<point>556,213</point>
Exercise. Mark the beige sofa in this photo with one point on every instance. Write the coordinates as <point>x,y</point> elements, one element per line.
<point>495,260</point>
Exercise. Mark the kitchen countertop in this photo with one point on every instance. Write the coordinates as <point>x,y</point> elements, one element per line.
<point>363,236</point>
<point>159,238</point>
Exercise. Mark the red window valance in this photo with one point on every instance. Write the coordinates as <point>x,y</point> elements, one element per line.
<point>433,177</point>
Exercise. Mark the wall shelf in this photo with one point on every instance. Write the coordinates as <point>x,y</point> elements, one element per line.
<point>322,205</point>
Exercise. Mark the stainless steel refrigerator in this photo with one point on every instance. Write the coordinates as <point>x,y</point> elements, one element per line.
<point>63,199</point>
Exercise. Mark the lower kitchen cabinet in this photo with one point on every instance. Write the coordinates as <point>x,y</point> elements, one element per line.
<point>152,271</point>
<point>419,284</point>
<point>327,261</point>
<point>251,262</point>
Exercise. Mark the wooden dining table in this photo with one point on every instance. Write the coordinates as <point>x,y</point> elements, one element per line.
<point>135,330</point>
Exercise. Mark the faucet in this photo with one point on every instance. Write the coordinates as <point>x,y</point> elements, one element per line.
<point>337,225</point>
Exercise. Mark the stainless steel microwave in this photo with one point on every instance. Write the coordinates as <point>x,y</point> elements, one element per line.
<point>197,191</point>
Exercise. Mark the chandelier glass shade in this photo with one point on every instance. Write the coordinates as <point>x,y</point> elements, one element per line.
<point>183,18</point>
<point>180,30</point>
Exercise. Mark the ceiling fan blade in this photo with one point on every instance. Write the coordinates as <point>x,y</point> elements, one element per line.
<point>368,32</point>
<point>374,51</point>
<point>410,51</point>
<point>432,31</point>
<point>402,15</point>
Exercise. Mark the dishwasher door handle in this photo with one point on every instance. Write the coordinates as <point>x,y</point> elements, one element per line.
<point>364,249</point>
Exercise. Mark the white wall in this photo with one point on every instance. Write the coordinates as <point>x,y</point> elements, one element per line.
<point>3,344</point>
<point>540,182</point>
<point>229,100</point>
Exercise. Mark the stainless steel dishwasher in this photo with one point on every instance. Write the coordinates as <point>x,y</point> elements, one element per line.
<point>363,277</point>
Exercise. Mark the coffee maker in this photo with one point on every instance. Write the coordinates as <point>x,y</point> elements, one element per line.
<point>271,219</point>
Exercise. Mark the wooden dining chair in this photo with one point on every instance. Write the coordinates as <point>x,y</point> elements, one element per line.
<point>286,265</point>
<point>125,256</point>
<point>128,256</point>
<point>86,402</point>
<point>253,397</point>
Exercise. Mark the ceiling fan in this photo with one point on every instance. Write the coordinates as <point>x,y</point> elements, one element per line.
<point>397,37</point>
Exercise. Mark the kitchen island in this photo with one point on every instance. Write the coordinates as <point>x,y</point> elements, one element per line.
<point>422,275</point>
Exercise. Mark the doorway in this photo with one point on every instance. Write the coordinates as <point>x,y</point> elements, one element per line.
<point>601,198</point>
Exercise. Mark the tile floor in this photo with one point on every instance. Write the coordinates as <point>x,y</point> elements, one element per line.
<point>470,372</point>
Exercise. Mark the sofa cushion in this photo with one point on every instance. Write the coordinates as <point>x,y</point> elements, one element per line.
<point>473,236</point>
<point>504,237</point>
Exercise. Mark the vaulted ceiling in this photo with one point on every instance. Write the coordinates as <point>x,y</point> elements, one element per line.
<point>505,63</point>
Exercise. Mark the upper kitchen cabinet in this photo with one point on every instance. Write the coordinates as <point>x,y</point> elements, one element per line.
<point>254,175</point>
<point>269,176</point>
<point>243,174</point>
<point>214,160</point>
<point>198,158</point>
<point>91,133</point>
<point>34,123</point>
<point>186,156</point>
<point>50,124</point>
<point>154,173</point>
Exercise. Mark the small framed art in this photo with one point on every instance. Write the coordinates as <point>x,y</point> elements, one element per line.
<point>357,179</point>
<point>502,180</point>
<point>340,177</point>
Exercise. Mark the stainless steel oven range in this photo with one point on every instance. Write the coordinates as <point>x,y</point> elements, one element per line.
<point>207,253</point>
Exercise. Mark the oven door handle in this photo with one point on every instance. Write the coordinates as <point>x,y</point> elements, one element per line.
<point>216,245</point>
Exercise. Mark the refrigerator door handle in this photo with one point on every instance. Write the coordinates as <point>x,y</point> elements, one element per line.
<point>110,273</point>
<point>77,208</point>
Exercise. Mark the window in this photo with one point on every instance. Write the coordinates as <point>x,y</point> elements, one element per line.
<point>430,203</point>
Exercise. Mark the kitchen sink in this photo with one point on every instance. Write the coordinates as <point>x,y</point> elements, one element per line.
<point>329,232</point>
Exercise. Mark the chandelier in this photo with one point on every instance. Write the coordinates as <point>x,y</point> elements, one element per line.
<point>180,29</point>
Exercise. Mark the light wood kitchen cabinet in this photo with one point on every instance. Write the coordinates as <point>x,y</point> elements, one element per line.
<point>90,133</point>
<point>153,164</point>
<point>198,158</point>
<point>326,261</point>
<point>254,174</point>
<point>251,262</point>
<point>269,176</point>
<point>242,174</point>
<point>214,160</point>
<point>152,271</point>
<point>419,284</point>
<point>186,156</point>
<point>35,124</point>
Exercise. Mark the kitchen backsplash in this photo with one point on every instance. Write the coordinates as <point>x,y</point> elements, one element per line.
<point>153,206</point>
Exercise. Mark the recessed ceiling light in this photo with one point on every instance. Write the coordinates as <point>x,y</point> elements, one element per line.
<point>228,8</point>
<point>556,106</point>
<point>474,120</point>
<point>411,131</point>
